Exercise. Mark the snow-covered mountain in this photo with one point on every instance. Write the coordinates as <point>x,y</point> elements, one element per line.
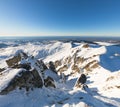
<point>99,61</point>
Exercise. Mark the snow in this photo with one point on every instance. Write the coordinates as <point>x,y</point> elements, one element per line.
<point>64,51</point>
<point>90,51</point>
<point>51,74</point>
<point>8,75</point>
<point>66,95</point>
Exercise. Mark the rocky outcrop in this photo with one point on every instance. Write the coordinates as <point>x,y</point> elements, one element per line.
<point>25,79</point>
<point>58,63</point>
<point>91,65</point>
<point>49,82</point>
<point>63,68</point>
<point>13,61</point>
<point>25,66</point>
<point>18,57</point>
<point>81,80</point>
<point>1,69</point>
<point>85,45</point>
<point>75,61</point>
<point>52,67</point>
<point>32,74</point>
<point>75,68</point>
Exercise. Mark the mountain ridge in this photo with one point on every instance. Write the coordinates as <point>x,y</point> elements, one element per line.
<point>71,59</point>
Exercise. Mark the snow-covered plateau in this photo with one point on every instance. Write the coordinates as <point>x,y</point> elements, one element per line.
<point>99,61</point>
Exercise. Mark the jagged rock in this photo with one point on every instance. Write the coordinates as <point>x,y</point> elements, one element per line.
<point>41,64</point>
<point>75,68</point>
<point>25,66</point>
<point>52,67</point>
<point>64,68</point>
<point>18,57</point>
<point>13,61</point>
<point>81,80</point>
<point>37,81</point>
<point>57,63</point>
<point>25,79</point>
<point>49,82</point>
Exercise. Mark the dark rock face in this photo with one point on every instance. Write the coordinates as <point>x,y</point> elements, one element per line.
<point>49,82</point>
<point>25,79</point>
<point>18,57</point>
<point>37,81</point>
<point>11,62</point>
<point>41,64</point>
<point>2,69</point>
<point>52,67</point>
<point>25,66</point>
<point>82,79</point>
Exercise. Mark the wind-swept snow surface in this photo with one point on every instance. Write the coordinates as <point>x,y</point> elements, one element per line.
<point>103,80</point>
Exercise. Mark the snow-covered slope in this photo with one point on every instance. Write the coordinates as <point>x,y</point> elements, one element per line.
<point>38,50</point>
<point>99,62</point>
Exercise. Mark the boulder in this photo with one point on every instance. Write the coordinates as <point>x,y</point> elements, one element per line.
<point>33,73</point>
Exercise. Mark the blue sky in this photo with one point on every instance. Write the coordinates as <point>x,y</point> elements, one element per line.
<point>59,17</point>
